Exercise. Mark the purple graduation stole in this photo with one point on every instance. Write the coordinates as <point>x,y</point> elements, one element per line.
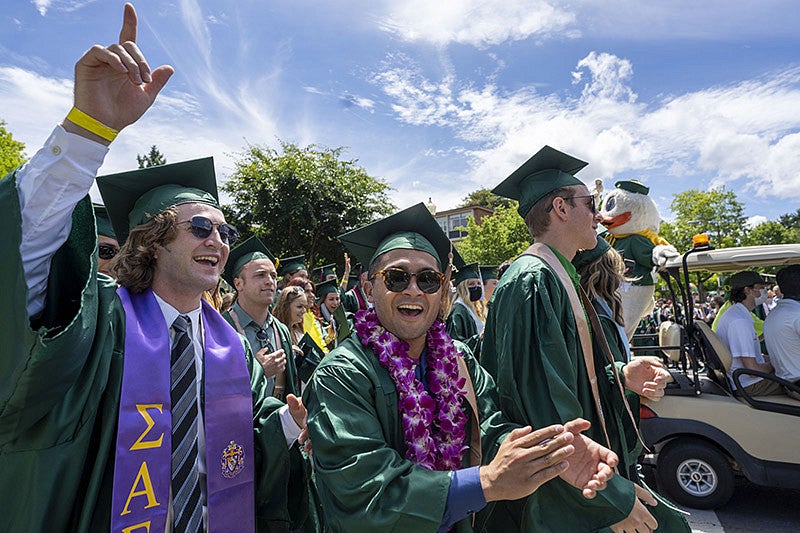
<point>144,434</point>
<point>362,301</point>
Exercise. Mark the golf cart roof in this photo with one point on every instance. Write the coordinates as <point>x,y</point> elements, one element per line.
<point>739,258</point>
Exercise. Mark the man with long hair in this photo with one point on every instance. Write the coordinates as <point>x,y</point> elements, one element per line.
<point>129,409</point>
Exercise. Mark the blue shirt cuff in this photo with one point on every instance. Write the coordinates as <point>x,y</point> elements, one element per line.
<point>464,498</point>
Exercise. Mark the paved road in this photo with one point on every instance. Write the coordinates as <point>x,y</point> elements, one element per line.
<point>752,509</point>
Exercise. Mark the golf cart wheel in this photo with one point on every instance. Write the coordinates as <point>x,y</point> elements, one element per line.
<point>695,474</point>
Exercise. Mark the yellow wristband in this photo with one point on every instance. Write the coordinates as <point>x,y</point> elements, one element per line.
<point>78,117</point>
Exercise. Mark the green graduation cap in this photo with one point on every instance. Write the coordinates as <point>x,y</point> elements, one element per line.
<point>355,273</point>
<point>547,170</point>
<point>466,272</point>
<point>291,264</point>
<point>320,273</point>
<point>133,197</point>
<point>488,272</point>
<point>104,226</point>
<point>584,257</point>
<point>410,229</point>
<point>249,250</point>
<point>325,288</point>
<point>632,186</point>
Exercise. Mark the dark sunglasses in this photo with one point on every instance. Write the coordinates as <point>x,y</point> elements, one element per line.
<point>262,337</point>
<point>107,251</point>
<point>201,227</point>
<point>592,206</point>
<point>397,279</point>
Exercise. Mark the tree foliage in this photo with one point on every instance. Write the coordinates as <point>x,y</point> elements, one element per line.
<point>716,212</point>
<point>299,200</point>
<point>484,198</point>
<point>791,221</point>
<point>769,232</point>
<point>152,159</point>
<point>12,152</point>
<point>500,237</point>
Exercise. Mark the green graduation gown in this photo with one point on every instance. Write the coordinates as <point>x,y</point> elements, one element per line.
<point>531,347</point>
<point>351,302</point>
<point>284,342</point>
<point>60,381</point>
<point>460,324</point>
<point>363,480</point>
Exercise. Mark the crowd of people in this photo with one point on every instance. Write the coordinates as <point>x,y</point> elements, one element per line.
<point>756,342</point>
<point>158,375</point>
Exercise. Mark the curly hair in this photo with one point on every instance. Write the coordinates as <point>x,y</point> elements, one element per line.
<point>602,277</point>
<point>135,263</point>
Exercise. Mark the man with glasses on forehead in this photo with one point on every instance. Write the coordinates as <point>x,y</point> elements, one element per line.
<point>544,351</point>
<point>406,430</point>
<point>251,271</point>
<point>127,409</point>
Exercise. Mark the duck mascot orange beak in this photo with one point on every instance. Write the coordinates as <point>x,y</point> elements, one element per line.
<point>618,220</point>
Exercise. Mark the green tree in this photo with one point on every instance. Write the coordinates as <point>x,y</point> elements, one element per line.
<point>153,159</point>
<point>500,237</point>
<point>299,200</point>
<point>12,152</point>
<point>716,212</point>
<point>770,232</point>
<point>484,198</point>
<point>791,221</point>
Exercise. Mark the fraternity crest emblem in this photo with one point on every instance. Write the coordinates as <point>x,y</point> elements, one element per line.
<point>232,460</point>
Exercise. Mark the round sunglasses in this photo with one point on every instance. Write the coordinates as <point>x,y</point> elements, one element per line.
<point>397,279</point>
<point>107,251</point>
<point>201,227</point>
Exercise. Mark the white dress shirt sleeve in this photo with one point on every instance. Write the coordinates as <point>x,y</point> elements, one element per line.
<point>49,186</point>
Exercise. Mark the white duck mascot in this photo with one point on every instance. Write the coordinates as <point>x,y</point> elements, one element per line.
<point>632,220</point>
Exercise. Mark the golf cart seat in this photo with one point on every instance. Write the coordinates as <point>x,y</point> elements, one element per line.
<point>717,357</point>
<point>669,334</point>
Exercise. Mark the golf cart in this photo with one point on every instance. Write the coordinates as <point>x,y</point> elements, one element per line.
<point>701,436</point>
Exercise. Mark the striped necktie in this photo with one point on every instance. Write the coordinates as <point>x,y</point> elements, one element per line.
<point>186,506</point>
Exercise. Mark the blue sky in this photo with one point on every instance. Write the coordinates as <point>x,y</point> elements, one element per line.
<point>443,98</point>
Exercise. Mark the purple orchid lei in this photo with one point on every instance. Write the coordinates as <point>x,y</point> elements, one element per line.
<point>433,424</point>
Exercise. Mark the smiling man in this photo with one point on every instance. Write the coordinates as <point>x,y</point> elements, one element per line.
<point>406,432</point>
<point>251,271</point>
<point>127,409</point>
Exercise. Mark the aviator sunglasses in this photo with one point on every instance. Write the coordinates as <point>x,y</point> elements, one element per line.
<point>107,251</point>
<point>397,279</point>
<point>591,204</point>
<point>201,227</point>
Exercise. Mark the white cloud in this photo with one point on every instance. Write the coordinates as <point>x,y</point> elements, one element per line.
<point>755,220</point>
<point>608,75</point>
<point>479,23</point>
<point>747,132</point>
<point>42,6</point>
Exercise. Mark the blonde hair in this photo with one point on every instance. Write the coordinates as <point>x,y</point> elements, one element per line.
<point>462,291</point>
<point>602,277</point>
<point>135,263</point>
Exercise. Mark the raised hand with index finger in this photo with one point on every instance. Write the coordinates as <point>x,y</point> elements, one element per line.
<point>114,85</point>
